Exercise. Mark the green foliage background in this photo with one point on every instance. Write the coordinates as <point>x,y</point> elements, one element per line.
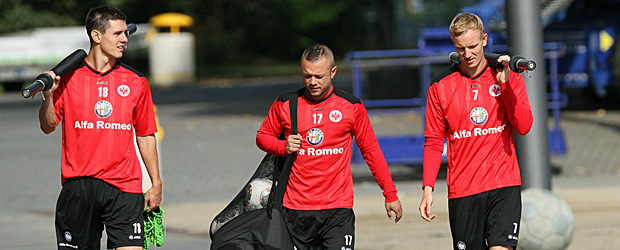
<point>254,33</point>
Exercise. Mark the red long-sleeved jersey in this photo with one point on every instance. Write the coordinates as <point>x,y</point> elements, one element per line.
<point>477,115</point>
<point>321,175</point>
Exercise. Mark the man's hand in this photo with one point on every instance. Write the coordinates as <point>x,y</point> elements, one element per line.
<point>152,198</point>
<point>502,76</point>
<point>395,207</point>
<point>426,204</point>
<point>56,78</point>
<point>293,143</point>
<point>47,115</point>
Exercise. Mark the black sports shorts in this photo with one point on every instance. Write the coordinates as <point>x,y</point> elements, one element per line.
<point>321,229</point>
<point>486,219</point>
<point>86,204</point>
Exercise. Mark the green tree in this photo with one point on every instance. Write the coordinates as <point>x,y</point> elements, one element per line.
<point>247,30</point>
<point>227,31</point>
<point>17,15</point>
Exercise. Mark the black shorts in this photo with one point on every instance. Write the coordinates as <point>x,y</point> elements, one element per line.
<point>486,219</point>
<point>321,229</point>
<point>86,204</point>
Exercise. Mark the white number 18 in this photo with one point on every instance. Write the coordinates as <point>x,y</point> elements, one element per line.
<point>103,91</point>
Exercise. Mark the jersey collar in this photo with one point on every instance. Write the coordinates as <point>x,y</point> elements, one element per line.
<point>103,73</point>
<point>486,66</point>
<point>331,92</point>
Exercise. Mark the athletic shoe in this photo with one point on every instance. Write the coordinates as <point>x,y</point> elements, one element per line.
<point>154,228</point>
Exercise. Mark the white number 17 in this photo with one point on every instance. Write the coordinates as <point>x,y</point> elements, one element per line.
<point>317,118</point>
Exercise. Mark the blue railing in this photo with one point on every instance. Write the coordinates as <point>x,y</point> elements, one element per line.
<point>408,149</point>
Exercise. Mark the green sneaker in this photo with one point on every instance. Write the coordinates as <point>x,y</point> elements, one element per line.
<point>154,227</point>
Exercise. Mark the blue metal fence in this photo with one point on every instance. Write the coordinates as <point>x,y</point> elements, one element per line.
<point>408,149</point>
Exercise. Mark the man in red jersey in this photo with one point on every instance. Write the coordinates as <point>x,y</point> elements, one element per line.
<point>100,106</point>
<point>319,197</point>
<point>477,108</point>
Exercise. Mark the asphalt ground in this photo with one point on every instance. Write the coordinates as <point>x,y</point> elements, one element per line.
<point>208,152</point>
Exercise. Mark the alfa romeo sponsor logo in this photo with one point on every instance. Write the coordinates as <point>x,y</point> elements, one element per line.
<point>103,109</point>
<point>479,115</point>
<point>315,136</point>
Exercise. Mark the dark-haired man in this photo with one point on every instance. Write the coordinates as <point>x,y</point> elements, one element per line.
<point>101,105</point>
<point>318,203</point>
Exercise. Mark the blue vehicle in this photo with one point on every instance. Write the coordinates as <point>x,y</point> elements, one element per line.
<point>587,33</point>
<point>580,50</point>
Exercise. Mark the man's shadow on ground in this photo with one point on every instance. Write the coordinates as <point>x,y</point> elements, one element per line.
<point>411,172</point>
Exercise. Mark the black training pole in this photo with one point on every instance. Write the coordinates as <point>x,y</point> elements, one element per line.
<point>525,37</point>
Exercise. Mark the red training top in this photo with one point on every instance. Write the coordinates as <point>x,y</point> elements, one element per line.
<point>99,111</point>
<point>478,116</point>
<point>321,175</point>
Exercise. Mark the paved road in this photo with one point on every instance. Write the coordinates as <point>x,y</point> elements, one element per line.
<point>208,152</point>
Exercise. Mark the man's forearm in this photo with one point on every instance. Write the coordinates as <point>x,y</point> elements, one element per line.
<point>148,149</point>
<point>47,115</point>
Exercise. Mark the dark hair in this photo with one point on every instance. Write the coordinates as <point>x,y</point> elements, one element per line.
<point>315,51</point>
<point>98,18</point>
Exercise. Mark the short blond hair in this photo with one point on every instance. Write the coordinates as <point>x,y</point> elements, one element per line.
<point>466,21</point>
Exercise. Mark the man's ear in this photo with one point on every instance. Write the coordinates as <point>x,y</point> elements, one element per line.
<point>333,72</point>
<point>96,36</point>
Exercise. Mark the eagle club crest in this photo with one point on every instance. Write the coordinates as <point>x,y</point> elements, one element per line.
<point>335,116</point>
<point>495,90</point>
<point>123,90</point>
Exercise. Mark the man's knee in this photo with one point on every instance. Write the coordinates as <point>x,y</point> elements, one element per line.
<point>501,248</point>
<point>129,248</point>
